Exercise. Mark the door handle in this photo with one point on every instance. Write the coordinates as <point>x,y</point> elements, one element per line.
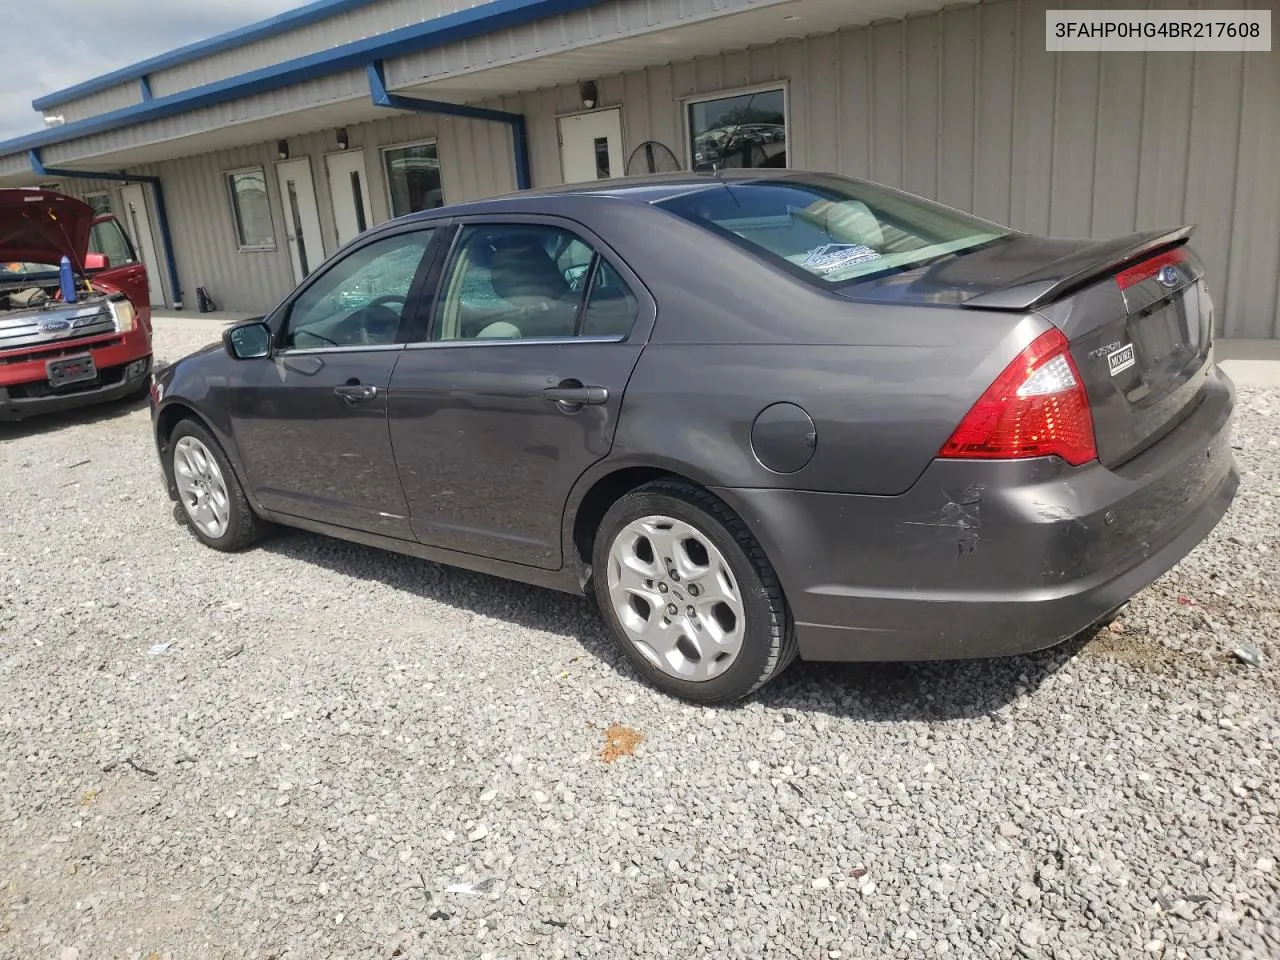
<point>578,395</point>
<point>356,392</point>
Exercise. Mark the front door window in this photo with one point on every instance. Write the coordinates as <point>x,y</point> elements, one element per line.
<point>361,299</point>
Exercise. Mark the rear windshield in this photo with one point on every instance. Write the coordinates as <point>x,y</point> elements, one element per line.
<point>830,229</point>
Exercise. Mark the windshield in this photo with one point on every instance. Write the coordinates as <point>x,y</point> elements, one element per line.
<point>23,271</point>
<point>831,229</point>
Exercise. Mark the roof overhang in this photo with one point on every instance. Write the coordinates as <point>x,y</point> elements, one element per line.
<point>435,59</point>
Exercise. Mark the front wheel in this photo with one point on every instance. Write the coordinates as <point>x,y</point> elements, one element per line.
<point>689,594</point>
<point>214,506</point>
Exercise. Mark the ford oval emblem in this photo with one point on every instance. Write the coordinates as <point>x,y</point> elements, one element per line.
<point>55,326</point>
<point>1169,276</point>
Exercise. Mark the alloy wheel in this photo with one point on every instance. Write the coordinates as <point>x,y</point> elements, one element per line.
<point>201,487</point>
<point>676,597</point>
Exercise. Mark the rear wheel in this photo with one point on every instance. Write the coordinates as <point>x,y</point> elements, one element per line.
<point>689,594</point>
<point>213,505</point>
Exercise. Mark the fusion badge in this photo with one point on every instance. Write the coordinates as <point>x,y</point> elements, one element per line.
<point>1121,359</point>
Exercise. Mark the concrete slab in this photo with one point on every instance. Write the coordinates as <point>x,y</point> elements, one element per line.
<point>1250,363</point>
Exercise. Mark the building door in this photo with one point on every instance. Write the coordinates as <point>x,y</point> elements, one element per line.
<point>591,146</point>
<point>138,224</point>
<point>301,219</point>
<point>349,188</point>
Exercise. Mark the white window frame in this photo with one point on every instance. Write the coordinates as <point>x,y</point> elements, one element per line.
<point>110,204</point>
<point>235,219</point>
<point>687,102</point>
<point>386,174</point>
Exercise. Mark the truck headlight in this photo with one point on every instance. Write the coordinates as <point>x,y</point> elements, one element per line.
<point>126,316</point>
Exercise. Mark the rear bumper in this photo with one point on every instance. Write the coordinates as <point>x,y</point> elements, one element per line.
<point>123,362</point>
<point>992,559</point>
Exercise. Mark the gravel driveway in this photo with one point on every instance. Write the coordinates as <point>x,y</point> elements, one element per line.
<point>320,750</point>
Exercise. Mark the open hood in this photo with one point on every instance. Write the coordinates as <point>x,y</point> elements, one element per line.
<point>40,226</point>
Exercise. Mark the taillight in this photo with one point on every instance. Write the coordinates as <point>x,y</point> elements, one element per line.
<point>1149,268</point>
<point>1036,408</point>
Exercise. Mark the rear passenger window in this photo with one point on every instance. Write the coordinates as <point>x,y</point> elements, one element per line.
<point>611,306</point>
<point>530,282</point>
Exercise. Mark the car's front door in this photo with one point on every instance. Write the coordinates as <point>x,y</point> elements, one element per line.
<point>310,421</point>
<point>516,388</point>
<point>124,269</point>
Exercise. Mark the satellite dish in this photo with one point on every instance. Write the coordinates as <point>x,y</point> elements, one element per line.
<point>651,157</point>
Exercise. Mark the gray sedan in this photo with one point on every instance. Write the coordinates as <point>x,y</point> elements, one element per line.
<point>754,415</point>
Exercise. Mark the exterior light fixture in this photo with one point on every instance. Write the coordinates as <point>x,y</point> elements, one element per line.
<point>282,149</point>
<point>588,94</point>
<point>343,141</point>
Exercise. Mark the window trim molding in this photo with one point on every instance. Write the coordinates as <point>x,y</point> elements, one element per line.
<point>383,150</point>
<point>235,216</point>
<point>686,102</point>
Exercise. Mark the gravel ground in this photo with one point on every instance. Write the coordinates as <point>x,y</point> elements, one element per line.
<point>320,750</point>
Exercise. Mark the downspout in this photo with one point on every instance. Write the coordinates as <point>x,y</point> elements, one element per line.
<point>162,214</point>
<point>519,130</point>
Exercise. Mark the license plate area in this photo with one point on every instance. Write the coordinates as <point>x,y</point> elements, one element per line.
<point>68,370</point>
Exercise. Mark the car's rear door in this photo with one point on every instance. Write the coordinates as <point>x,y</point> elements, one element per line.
<point>310,421</point>
<point>516,386</point>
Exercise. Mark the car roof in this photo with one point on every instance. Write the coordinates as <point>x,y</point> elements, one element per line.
<point>655,187</point>
<point>649,189</point>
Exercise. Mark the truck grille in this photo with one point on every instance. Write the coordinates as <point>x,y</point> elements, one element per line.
<point>56,326</point>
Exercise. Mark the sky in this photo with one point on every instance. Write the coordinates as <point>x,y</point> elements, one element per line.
<point>56,43</point>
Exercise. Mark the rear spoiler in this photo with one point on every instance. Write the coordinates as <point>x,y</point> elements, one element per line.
<point>1090,262</point>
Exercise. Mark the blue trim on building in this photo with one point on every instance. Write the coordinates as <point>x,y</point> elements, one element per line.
<point>379,95</point>
<point>463,25</point>
<point>144,87</point>
<point>162,213</point>
<point>272,26</point>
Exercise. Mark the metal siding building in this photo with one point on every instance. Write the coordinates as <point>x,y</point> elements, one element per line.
<point>963,105</point>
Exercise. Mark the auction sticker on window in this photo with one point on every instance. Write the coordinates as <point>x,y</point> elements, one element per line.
<point>833,256</point>
<point>1155,31</point>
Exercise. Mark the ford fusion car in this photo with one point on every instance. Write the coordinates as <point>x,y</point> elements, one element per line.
<point>755,415</point>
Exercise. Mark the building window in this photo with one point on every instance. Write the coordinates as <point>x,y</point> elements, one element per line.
<point>413,178</point>
<point>251,209</point>
<point>99,203</point>
<point>747,129</point>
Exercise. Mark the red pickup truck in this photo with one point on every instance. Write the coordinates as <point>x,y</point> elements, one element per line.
<point>56,355</point>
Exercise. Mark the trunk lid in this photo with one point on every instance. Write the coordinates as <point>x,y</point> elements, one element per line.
<point>40,226</point>
<point>1142,340</point>
<point>1135,309</point>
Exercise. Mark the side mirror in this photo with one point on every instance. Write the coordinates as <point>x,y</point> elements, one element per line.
<point>248,341</point>
<point>96,261</point>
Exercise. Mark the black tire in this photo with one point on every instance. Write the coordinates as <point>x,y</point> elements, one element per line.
<point>244,527</point>
<point>769,643</point>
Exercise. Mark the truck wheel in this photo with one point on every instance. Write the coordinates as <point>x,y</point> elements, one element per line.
<point>689,594</point>
<point>213,504</point>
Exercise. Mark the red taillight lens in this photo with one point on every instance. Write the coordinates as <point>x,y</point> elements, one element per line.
<point>1036,408</point>
<point>1149,268</point>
